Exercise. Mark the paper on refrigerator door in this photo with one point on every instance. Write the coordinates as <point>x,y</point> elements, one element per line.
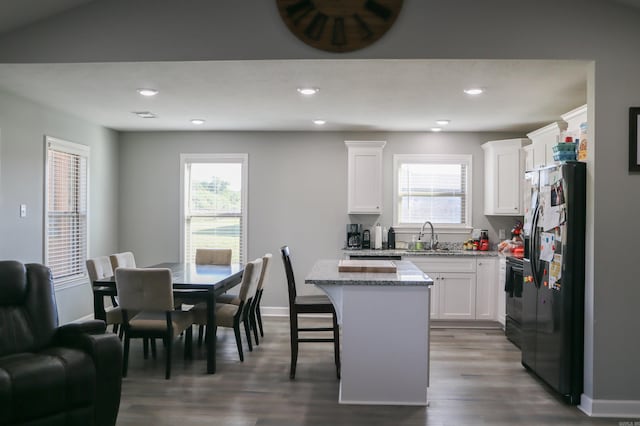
<point>547,247</point>
<point>555,272</point>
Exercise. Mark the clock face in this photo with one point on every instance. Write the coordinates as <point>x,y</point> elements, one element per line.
<point>339,25</point>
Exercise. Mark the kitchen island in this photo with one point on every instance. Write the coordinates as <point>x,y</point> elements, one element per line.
<point>384,318</point>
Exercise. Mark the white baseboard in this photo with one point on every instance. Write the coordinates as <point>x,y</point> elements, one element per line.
<point>609,408</point>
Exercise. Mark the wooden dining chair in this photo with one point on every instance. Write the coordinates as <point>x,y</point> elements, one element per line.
<point>253,313</point>
<point>98,268</point>
<point>230,315</point>
<point>319,304</point>
<point>146,300</point>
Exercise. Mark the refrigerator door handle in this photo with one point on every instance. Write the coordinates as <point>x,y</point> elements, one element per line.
<point>533,243</point>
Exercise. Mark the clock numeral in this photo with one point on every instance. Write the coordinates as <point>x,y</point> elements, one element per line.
<point>299,10</point>
<point>379,10</point>
<point>364,28</point>
<point>316,27</point>
<point>339,38</point>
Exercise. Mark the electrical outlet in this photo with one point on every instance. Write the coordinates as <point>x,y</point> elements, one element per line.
<point>23,210</point>
<point>501,234</point>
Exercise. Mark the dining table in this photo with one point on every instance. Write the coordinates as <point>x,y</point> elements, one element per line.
<point>191,282</point>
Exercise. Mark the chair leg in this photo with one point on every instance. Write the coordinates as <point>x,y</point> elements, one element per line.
<point>294,344</point>
<point>259,316</point>
<point>236,331</point>
<point>247,331</point>
<point>169,350</point>
<point>254,327</point>
<point>115,328</point>
<point>145,348</point>
<point>200,334</point>
<point>121,333</point>
<point>125,357</point>
<point>188,343</point>
<point>336,344</point>
<point>252,322</point>
<point>154,352</point>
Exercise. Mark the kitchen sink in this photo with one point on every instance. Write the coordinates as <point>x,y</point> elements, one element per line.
<point>438,250</point>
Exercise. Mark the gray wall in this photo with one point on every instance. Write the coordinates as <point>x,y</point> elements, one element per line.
<point>297,191</point>
<point>596,30</point>
<point>22,155</point>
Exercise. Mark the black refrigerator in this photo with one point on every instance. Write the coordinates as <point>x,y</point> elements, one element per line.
<point>553,288</point>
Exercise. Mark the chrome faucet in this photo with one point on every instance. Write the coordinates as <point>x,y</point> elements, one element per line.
<point>433,242</point>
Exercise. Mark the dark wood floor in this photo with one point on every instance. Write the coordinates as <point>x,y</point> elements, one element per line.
<point>476,379</point>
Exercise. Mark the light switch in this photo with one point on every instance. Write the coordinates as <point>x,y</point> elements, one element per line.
<point>501,234</point>
<point>23,210</point>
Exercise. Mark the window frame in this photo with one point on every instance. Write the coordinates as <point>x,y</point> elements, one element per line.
<point>466,159</point>
<point>52,143</point>
<point>241,158</point>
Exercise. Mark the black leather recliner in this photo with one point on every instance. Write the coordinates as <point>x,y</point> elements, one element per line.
<point>51,375</point>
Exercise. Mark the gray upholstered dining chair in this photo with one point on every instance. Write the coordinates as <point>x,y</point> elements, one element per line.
<point>207,256</point>
<point>230,315</point>
<point>100,267</point>
<point>253,313</point>
<point>122,260</point>
<point>146,300</point>
<point>210,256</point>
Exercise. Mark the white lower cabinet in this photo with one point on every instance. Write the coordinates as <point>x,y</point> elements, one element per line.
<point>457,295</point>
<point>464,288</point>
<point>486,288</point>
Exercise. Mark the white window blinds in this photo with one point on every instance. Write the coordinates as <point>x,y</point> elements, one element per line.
<point>434,188</point>
<point>66,209</point>
<point>215,204</point>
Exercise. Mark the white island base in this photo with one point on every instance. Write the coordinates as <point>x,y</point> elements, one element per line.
<point>385,342</point>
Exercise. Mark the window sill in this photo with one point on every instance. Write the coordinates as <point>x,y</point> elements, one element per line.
<point>412,229</point>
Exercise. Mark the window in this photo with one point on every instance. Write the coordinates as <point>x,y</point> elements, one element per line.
<point>66,209</point>
<point>214,200</point>
<point>432,187</point>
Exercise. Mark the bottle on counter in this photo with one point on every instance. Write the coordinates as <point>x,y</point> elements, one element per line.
<point>391,238</point>
<point>377,237</point>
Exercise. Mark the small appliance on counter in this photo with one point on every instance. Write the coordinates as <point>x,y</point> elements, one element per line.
<point>354,236</point>
<point>366,239</point>
<point>483,243</point>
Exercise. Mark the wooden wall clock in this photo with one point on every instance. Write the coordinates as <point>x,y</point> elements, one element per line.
<point>339,25</point>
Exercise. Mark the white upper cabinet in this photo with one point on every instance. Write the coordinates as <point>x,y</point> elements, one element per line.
<point>364,190</point>
<point>503,174</point>
<point>543,141</point>
<point>574,119</point>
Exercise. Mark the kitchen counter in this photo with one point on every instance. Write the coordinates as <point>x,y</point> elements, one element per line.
<point>385,332</point>
<point>325,272</point>
<point>405,252</point>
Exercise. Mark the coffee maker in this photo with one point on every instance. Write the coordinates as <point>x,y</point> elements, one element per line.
<point>354,236</point>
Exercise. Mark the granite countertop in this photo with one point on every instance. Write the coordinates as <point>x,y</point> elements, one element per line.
<point>325,272</point>
<point>420,253</point>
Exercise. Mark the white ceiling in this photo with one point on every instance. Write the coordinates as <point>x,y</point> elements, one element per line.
<point>355,95</point>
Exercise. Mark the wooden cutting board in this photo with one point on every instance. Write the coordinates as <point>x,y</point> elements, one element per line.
<point>362,265</point>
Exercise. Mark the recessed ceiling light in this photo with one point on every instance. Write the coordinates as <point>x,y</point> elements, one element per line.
<point>473,91</point>
<point>308,91</point>
<point>144,114</point>
<point>319,122</point>
<point>148,92</point>
<point>197,121</point>
<point>443,122</point>
<point>436,129</point>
